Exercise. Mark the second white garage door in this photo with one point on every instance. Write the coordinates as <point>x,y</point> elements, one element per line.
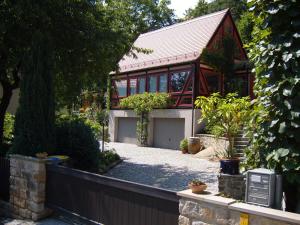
<point>168,133</point>
<point>127,130</point>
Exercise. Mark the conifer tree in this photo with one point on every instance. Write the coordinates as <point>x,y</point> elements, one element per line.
<point>34,127</point>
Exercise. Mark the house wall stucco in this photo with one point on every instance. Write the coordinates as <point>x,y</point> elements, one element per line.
<point>14,101</point>
<point>186,114</point>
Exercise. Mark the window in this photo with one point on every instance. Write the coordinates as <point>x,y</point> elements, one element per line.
<point>122,87</point>
<point>178,80</point>
<point>212,82</point>
<point>133,84</point>
<point>152,84</point>
<point>163,83</point>
<point>142,85</point>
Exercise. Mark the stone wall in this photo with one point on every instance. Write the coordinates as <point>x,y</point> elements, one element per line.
<point>198,209</point>
<point>27,187</point>
<point>208,140</point>
<point>233,186</point>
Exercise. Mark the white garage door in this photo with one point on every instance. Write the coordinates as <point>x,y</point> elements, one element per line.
<point>127,130</point>
<point>168,133</point>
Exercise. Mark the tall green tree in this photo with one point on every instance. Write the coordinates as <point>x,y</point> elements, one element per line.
<point>202,8</point>
<point>88,39</point>
<point>275,51</point>
<point>34,127</point>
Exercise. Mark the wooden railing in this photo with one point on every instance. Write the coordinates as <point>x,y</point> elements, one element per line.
<point>108,200</point>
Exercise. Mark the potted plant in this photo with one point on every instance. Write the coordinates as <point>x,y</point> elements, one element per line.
<point>225,116</point>
<point>184,146</point>
<point>41,155</point>
<point>197,186</point>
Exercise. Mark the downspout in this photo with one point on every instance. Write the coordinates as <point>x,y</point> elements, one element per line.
<point>193,99</point>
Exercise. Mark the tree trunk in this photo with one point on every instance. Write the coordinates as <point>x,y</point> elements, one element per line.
<point>7,94</point>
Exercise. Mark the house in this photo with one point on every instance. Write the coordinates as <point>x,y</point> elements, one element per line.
<point>173,66</point>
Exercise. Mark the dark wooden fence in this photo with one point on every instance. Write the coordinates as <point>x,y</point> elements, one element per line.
<point>109,201</point>
<point>4,178</point>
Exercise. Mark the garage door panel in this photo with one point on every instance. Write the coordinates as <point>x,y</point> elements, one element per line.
<point>168,132</point>
<point>127,130</point>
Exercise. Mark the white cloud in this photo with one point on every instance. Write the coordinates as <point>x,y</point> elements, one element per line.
<point>181,6</point>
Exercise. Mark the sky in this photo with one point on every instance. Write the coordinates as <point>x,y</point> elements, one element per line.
<point>181,5</point>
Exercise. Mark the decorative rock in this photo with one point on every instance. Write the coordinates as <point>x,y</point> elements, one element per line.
<point>183,220</point>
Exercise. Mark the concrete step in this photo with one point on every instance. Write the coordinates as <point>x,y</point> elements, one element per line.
<point>240,146</point>
<point>241,139</point>
<point>239,155</point>
<point>245,142</point>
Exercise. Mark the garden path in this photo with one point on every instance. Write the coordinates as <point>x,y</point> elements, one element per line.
<point>163,168</point>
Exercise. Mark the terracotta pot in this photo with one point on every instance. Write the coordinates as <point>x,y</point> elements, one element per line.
<point>198,189</point>
<point>194,145</point>
<point>184,151</point>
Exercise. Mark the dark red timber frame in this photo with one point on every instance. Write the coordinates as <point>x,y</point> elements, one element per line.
<point>178,96</point>
<point>197,72</point>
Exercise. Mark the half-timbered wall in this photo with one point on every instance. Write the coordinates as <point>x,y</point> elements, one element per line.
<point>174,80</point>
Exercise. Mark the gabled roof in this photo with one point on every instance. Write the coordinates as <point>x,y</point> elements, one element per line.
<point>178,43</point>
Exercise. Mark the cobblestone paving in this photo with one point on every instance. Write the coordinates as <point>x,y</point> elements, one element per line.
<point>164,168</point>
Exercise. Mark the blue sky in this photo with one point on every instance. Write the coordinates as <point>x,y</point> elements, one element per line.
<point>181,5</point>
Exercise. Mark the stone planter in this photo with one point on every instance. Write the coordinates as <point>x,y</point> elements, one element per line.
<point>194,145</point>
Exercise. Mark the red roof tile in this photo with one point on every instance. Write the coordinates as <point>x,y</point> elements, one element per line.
<point>178,43</point>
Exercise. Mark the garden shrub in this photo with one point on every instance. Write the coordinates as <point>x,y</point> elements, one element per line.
<point>184,144</point>
<point>8,134</point>
<point>224,116</point>
<point>76,139</point>
<point>9,121</point>
<point>108,157</point>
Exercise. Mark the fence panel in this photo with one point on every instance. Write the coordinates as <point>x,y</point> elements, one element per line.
<point>109,201</point>
<point>4,178</point>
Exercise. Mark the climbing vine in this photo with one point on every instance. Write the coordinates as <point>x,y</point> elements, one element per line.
<point>142,105</point>
<point>275,50</point>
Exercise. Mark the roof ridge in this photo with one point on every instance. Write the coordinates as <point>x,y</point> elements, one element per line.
<point>184,22</point>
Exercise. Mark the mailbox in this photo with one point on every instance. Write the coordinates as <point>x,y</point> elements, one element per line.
<point>260,187</point>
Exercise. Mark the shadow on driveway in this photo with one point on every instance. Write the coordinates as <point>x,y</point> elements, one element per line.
<point>163,175</point>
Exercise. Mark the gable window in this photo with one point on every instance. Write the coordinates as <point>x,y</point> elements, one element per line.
<point>121,87</point>
<point>133,86</point>
<point>142,85</point>
<point>152,84</point>
<point>163,83</point>
<point>178,80</point>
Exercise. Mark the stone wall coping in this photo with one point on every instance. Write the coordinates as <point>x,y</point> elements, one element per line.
<point>28,158</point>
<point>266,212</point>
<point>210,198</point>
<point>228,175</point>
<point>211,136</point>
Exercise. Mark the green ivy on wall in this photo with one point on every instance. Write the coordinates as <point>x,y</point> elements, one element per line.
<point>275,50</point>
